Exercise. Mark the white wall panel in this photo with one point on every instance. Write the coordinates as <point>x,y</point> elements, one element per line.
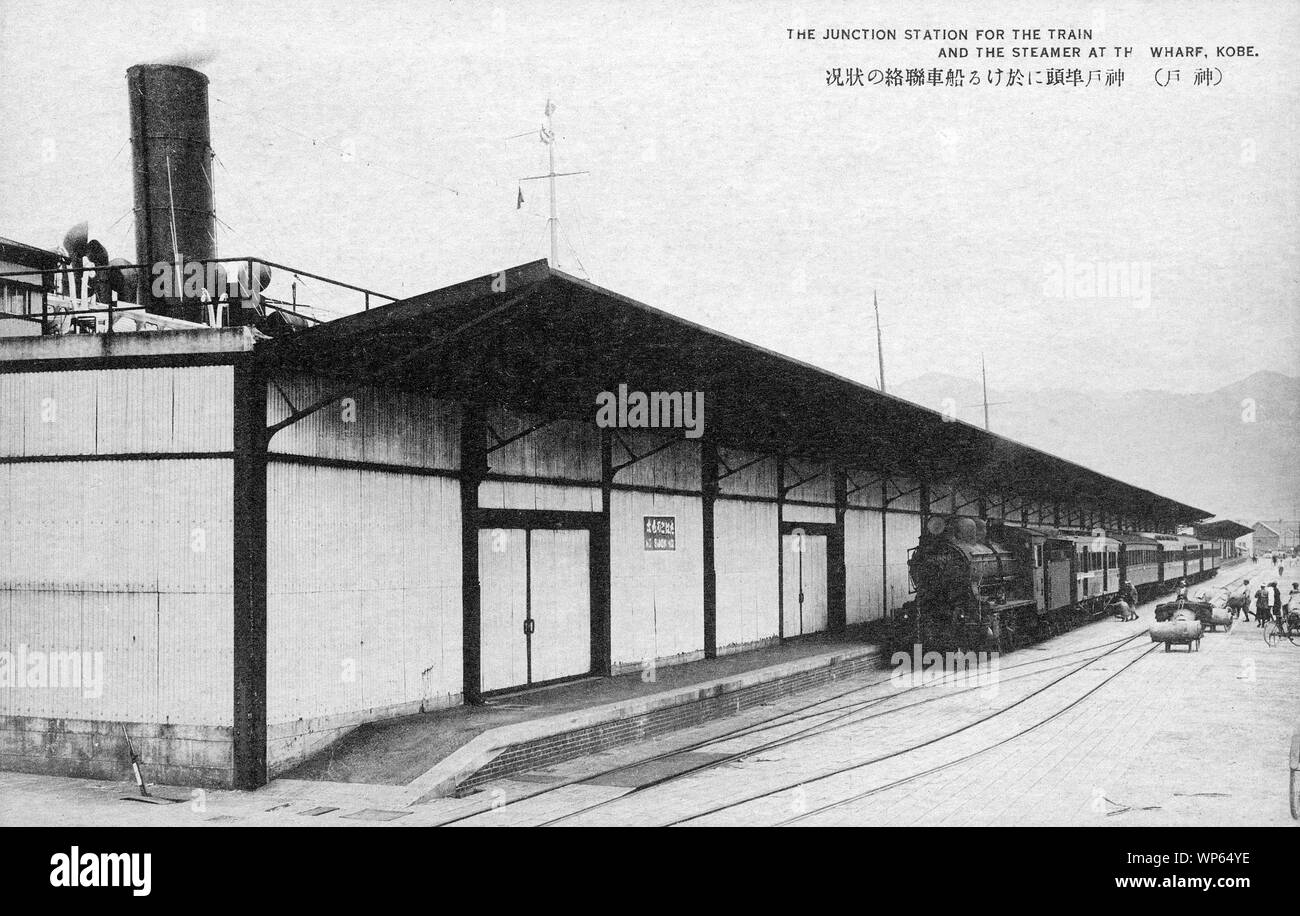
<point>656,596</point>
<point>118,525</point>
<point>902,533</point>
<point>500,494</point>
<point>101,557</point>
<point>745,562</point>
<point>864,572</point>
<point>822,515</point>
<point>364,590</point>
<point>115,411</point>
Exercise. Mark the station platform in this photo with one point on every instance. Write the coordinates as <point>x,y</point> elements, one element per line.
<point>447,751</point>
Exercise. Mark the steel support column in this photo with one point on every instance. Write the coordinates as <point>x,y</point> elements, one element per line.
<point>249,577</point>
<point>708,494</point>
<point>473,465</point>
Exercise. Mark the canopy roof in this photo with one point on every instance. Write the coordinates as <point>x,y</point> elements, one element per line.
<point>535,339</point>
<point>1222,530</point>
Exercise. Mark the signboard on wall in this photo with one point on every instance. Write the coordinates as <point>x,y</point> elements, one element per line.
<point>660,532</point>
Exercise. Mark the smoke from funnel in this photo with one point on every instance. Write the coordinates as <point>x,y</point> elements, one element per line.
<point>193,58</point>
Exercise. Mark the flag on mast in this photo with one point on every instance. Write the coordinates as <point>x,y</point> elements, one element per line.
<point>519,203</point>
<point>550,108</point>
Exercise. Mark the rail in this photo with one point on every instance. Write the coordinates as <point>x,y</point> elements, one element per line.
<point>70,293</point>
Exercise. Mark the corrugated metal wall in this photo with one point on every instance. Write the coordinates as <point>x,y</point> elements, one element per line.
<point>130,559</point>
<point>676,467</point>
<point>116,411</point>
<point>902,533</point>
<point>820,489</point>
<point>904,495</point>
<point>566,449</point>
<point>379,425</point>
<point>863,567</point>
<point>363,591</point>
<point>656,596</point>
<point>876,583</point>
<point>821,515</point>
<point>745,560</point>
<point>507,494</point>
<point>967,502</point>
<point>758,479</point>
<point>941,498</point>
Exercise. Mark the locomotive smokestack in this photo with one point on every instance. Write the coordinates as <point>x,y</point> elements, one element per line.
<point>172,162</point>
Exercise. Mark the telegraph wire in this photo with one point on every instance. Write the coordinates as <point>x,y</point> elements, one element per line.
<point>323,143</point>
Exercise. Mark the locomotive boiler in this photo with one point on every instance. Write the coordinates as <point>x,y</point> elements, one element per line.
<point>975,587</point>
<point>993,586</point>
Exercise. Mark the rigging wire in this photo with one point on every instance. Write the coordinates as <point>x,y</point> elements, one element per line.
<point>323,143</point>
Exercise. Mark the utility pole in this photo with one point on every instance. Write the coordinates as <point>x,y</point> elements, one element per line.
<point>550,152</point>
<point>547,136</point>
<point>880,344</point>
<point>984,381</point>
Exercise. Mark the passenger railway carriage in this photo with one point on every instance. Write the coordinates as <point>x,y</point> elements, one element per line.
<point>1140,561</point>
<point>997,585</point>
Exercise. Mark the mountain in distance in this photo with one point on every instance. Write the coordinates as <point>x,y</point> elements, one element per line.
<point>1234,451</point>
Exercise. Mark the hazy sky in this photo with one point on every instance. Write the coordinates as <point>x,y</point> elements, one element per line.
<point>729,184</point>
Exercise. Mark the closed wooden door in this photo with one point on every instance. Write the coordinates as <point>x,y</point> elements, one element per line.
<point>560,603</point>
<point>503,604</point>
<point>534,606</point>
<point>804,607</point>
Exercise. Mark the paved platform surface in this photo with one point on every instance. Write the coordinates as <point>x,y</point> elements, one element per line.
<point>1134,737</point>
<point>398,751</point>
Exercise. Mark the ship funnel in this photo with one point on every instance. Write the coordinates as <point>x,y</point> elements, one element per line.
<point>172,166</point>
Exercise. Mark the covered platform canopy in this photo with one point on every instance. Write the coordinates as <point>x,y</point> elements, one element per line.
<point>535,339</point>
<point>1224,530</point>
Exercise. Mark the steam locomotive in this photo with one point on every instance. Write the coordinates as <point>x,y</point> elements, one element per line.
<point>995,586</point>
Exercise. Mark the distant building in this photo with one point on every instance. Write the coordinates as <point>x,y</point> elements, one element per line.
<point>1264,538</point>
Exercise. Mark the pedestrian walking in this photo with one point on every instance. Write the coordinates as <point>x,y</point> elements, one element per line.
<point>1261,606</point>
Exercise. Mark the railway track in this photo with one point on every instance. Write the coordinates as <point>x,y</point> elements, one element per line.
<point>818,731</point>
<point>829,719</point>
<point>825,719</point>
